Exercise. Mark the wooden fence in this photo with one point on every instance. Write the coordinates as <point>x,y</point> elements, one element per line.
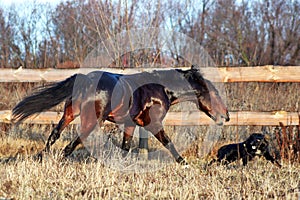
<point>185,118</point>
<point>220,74</point>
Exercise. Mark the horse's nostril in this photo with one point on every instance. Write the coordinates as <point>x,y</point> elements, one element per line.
<point>227,118</point>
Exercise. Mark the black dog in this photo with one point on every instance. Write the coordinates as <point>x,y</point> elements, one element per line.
<point>255,145</point>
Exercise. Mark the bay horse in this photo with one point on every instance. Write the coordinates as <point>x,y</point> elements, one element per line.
<point>141,99</point>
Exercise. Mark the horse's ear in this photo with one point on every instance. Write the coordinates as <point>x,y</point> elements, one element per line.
<point>195,67</point>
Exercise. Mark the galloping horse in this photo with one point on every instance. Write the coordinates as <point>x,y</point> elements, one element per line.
<point>141,99</point>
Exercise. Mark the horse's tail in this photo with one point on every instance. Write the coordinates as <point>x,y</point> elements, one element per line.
<point>50,96</point>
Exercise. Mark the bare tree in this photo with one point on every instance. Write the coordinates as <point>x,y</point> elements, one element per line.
<point>233,32</point>
<point>7,46</point>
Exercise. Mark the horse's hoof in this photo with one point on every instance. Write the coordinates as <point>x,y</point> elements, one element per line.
<point>184,163</point>
<point>186,166</point>
<point>181,161</point>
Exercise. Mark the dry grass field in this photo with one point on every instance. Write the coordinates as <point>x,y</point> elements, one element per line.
<point>57,179</point>
<point>54,178</point>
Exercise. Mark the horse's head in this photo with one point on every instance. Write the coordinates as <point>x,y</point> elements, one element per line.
<point>208,98</point>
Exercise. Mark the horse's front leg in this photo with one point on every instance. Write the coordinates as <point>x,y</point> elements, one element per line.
<point>158,131</point>
<point>166,141</point>
<point>154,125</point>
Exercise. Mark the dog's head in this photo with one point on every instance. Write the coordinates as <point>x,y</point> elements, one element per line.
<point>257,143</point>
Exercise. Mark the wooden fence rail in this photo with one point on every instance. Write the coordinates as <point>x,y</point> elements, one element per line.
<point>185,118</point>
<point>219,74</point>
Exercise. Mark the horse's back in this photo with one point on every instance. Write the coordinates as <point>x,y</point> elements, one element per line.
<point>104,80</point>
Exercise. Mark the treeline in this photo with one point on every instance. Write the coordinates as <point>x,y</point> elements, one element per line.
<point>233,32</point>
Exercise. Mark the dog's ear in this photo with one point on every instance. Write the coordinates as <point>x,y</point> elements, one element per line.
<point>253,141</point>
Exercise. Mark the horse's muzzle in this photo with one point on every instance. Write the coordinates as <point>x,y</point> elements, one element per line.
<point>221,118</point>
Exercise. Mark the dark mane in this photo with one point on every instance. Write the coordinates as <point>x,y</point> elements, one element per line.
<point>192,74</point>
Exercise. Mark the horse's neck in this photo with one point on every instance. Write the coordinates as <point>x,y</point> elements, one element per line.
<point>174,82</point>
<point>176,85</point>
<point>182,96</point>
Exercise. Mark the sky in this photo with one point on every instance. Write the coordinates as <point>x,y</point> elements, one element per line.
<point>11,2</point>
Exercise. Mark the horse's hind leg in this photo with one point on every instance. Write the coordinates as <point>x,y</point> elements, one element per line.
<point>127,138</point>
<point>90,112</point>
<point>71,146</point>
<point>71,111</point>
